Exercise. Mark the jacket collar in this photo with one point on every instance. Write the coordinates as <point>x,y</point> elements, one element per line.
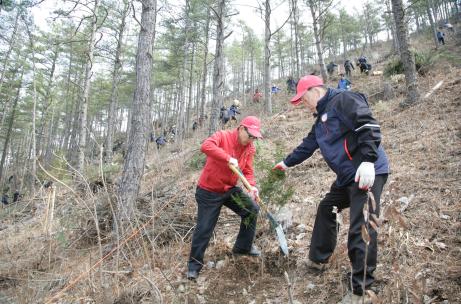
<point>322,104</point>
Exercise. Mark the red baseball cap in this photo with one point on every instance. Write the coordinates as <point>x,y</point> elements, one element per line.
<point>253,124</point>
<point>305,84</point>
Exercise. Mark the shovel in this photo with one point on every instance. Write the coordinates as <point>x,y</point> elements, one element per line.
<point>274,224</point>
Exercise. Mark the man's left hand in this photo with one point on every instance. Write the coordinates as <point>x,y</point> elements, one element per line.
<point>254,193</point>
<point>365,175</point>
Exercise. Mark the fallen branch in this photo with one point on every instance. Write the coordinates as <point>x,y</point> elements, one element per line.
<point>438,85</point>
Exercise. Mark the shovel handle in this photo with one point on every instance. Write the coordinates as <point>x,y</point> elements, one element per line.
<point>243,179</point>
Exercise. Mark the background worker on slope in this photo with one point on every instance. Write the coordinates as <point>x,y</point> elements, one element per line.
<point>217,187</point>
<point>349,139</point>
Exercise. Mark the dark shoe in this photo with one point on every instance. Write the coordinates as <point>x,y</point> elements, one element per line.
<point>254,252</point>
<point>192,274</point>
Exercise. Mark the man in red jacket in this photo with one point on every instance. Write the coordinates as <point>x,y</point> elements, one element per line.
<point>217,187</point>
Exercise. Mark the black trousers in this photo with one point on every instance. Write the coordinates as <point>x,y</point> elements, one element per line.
<point>209,206</point>
<point>324,235</point>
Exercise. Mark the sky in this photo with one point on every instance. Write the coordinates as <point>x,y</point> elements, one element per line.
<point>245,8</point>
<point>247,12</point>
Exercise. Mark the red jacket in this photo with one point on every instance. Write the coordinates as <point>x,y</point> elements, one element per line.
<point>216,175</point>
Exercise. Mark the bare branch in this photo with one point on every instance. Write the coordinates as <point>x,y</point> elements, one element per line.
<point>134,15</point>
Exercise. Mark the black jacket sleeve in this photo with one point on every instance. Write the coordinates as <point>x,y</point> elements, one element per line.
<point>356,114</point>
<point>303,151</point>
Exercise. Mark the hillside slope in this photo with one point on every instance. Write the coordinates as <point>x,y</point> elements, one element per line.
<point>419,241</point>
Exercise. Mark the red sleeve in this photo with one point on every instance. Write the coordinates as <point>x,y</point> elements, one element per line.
<point>211,147</point>
<point>247,169</point>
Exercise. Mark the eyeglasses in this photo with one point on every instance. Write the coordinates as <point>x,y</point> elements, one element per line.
<point>249,134</point>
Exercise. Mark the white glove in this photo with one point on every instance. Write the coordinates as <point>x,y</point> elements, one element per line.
<point>234,162</point>
<point>365,175</point>
<point>254,193</point>
<point>280,166</point>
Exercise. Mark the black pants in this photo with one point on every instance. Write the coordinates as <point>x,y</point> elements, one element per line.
<point>441,40</point>
<point>208,208</point>
<point>324,236</point>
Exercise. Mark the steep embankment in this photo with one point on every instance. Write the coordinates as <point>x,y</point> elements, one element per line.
<point>419,241</point>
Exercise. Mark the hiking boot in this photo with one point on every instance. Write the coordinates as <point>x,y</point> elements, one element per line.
<point>254,252</point>
<point>315,266</point>
<point>351,298</point>
<point>192,274</point>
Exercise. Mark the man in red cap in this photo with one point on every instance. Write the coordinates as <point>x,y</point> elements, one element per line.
<point>217,187</point>
<point>349,139</point>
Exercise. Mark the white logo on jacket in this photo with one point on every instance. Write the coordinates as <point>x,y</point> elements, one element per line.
<point>324,117</point>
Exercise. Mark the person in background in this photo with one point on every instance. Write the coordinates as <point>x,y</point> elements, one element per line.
<point>275,89</point>
<point>343,83</point>
<point>291,85</point>
<point>5,199</point>
<point>331,68</point>
<point>257,96</point>
<point>16,196</point>
<point>441,37</point>
<point>217,186</point>
<point>347,67</point>
<point>160,141</point>
<point>224,116</point>
<point>194,126</point>
<point>349,139</point>
<point>234,110</point>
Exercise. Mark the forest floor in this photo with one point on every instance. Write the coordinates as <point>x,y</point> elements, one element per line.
<point>419,240</point>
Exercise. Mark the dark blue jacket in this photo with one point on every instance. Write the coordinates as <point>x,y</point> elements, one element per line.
<point>233,110</point>
<point>160,140</point>
<point>347,135</point>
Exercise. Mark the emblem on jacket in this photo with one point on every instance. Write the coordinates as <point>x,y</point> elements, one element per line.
<point>324,117</point>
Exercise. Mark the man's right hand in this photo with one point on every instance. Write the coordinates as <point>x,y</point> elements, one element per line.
<point>281,166</point>
<point>234,162</point>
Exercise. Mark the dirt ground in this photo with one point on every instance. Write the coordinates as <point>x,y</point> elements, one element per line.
<point>419,258</point>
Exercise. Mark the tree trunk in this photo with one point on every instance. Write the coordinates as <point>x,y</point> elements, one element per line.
<point>433,26</point>
<point>205,69</point>
<point>44,122</point>
<point>10,47</point>
<point>296,36</point>
<point>405,53</point>
<point>191,80</point>
<point>133,168</point>
<point>86,92</point>
<point>318,42</point>
<point>10,126</point>
<point>115,83</point>
<point>267,58</point>
<point>33,158</point>
<point>69,101</point>
<point>218,70</point>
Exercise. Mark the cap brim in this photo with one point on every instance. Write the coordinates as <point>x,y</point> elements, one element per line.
<point>297,99</point>
<point>255,133</point>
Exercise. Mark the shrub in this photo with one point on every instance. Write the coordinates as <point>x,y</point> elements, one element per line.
<point>197,160</point>
<point>423,62</point>
<point>272,187</point>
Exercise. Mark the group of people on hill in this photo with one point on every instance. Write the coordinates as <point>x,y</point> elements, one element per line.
<point>230,113</point>
<point>5,197</point>
<point>362,63</point>
<point>349,139</point>
<point>344,82</point>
